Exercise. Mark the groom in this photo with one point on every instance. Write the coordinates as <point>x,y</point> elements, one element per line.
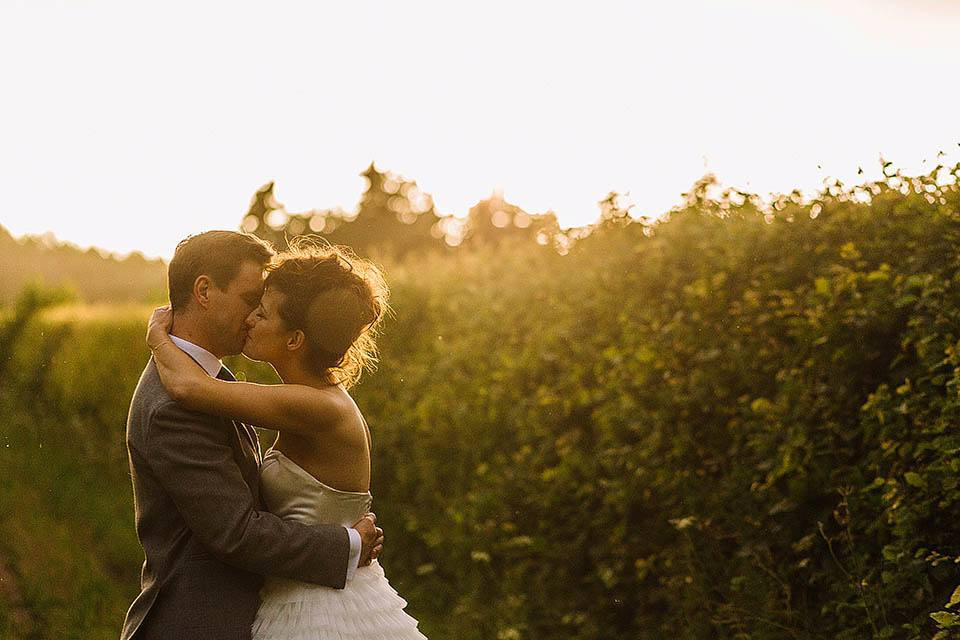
<point>197,506</point>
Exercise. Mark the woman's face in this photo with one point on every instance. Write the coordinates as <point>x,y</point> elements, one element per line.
<point>268,334</point>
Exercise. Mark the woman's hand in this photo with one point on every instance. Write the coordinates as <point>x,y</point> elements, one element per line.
<point>158,328</point>
<point>180,374</point>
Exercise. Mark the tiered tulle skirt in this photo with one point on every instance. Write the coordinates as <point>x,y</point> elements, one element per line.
<point>367,609</point>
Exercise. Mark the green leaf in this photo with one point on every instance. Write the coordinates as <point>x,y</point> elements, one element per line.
<point>914,479</point>
<point>905,301</point>
<point>946,619</point>
<point>955,598</point>
<point>822,285</point>
<point>849,252</point>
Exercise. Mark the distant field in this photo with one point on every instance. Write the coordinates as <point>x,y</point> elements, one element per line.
<point>98,313</point>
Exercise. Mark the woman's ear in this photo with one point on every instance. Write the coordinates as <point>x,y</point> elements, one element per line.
<point>296,340</point>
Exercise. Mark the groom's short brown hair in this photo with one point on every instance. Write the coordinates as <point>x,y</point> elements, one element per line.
<point>217,254</point>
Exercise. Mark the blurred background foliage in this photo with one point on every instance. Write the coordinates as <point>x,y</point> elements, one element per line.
<point>737,421</point>
<point>91,275</point>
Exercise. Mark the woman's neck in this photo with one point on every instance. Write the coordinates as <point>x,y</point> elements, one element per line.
<point>295,372</point>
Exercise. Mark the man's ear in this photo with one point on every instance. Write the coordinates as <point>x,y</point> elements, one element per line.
<point>296,340</point>
<point>201,290</point>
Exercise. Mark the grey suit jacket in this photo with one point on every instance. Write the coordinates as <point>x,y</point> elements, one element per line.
<point>206,541</point>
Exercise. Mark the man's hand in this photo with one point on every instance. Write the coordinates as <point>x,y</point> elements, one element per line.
<point>371,539</point>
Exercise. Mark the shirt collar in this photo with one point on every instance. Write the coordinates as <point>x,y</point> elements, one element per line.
<point>209,362</point>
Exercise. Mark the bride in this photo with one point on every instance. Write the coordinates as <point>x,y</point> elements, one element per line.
<point>316,324</point>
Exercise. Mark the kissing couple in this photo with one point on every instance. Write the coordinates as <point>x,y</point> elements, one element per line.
<point>240,545</point>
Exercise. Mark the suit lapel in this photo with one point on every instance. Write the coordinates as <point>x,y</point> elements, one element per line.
<point>251,436</point>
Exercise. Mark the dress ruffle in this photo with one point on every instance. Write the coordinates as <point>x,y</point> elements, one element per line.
<point>368,608</point>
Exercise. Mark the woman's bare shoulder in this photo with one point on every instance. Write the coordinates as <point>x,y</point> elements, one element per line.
<point>332,402</point>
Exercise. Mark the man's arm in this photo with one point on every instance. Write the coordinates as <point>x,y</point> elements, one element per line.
<point>191,456</point>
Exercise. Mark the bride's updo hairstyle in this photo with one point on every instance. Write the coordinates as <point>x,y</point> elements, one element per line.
<point>337,299</point>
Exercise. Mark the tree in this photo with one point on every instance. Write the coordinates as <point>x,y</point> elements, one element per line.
<point>494,221</point>
<point>394,218</point>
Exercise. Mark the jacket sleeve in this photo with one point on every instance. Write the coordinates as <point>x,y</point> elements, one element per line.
<point>191,455</point>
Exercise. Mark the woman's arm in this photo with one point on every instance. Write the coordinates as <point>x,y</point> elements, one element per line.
<point>290,408</point>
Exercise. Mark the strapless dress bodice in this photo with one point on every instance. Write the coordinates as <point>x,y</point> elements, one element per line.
<point>367,608</point>
<point>293,494</point>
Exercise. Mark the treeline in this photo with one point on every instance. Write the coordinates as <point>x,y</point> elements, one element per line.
<point>737,422</point>
<point>396,220</point>
<point>87,275</point>
<point>393,220</point>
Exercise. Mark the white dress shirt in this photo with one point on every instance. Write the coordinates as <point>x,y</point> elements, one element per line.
<point>212,364</point>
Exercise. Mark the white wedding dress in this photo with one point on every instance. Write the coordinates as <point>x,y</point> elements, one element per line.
<point>368,608</point>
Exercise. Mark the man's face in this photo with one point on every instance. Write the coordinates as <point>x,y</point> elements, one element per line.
<point>230,307</point>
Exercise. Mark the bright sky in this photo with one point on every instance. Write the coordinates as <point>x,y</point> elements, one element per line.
<point>129,127</point>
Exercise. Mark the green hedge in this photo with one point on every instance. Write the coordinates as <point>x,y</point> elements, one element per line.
<point>740,422</point>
